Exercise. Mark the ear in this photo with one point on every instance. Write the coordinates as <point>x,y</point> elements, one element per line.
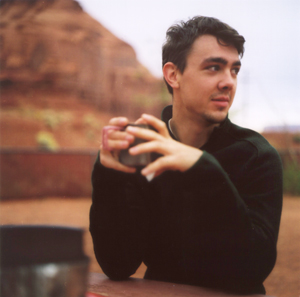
<point>171,74</point>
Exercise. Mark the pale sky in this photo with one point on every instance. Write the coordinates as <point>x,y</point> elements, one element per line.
<point>269,82</point>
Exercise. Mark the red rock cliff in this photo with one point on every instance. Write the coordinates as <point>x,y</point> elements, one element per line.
<point>53,47</point>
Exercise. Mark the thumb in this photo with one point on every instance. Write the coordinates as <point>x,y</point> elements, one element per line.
<point>140,121</point>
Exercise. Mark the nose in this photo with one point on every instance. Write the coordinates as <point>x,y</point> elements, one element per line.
<point>227,82</point>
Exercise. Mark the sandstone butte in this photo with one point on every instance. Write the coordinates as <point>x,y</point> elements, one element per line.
<point>54,55</point>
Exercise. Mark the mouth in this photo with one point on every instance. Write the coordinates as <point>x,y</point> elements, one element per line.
<point>221,101</point>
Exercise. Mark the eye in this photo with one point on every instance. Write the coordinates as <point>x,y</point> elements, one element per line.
<point>236,70</point>
<point>213,68</point>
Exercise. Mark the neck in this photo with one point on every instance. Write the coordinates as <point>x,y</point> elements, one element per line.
<point>192,132</point>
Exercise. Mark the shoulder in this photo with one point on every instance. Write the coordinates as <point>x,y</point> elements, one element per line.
<point>242,148</point>
<point>247,138</point>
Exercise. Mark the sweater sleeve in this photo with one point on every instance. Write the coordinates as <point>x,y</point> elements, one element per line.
<point>237,224</point>
<point>117,219</point>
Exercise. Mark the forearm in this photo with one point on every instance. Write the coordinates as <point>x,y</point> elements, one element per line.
<point>116,222</point>
<point>118,250</point>
<point>237,225</point>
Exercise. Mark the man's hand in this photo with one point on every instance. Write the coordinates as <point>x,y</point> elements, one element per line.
<point>176,155</point>
<point>117,140</point>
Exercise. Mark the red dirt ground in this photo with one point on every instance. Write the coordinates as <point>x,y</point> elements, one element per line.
<point>284,281</point>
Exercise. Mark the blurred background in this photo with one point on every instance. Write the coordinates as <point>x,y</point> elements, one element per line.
<point>68,66</point>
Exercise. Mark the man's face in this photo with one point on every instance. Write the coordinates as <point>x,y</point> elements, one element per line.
<point>207,86</point>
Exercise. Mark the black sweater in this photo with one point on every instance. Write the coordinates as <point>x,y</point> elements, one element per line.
<point>215,225</point>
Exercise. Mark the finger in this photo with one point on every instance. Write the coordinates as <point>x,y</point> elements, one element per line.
<point>108,130</point>
<point>107,160</point>
<point>140,121</point>
<point>157,124</point>
<point>159,166</point>
<point>149,147</point>
<point>119,121</point>
<point>143,133</point>
<point>120,135</point>
<point>117,144</point>
<point>106,154</point>
<point>111,163</point>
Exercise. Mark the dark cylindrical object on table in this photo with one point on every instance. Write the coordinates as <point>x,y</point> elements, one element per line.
<point>42,261</point>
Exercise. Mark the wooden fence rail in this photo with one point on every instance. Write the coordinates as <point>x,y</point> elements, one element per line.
<point>31,173</point>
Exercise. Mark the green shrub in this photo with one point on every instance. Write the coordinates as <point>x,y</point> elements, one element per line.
<point>51,118</point>
<point>296,138</point>
<point>89,120</point>
<point>291,179</point>
<point>46,141</point>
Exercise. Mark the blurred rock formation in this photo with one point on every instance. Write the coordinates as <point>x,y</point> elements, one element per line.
<point>51,50</point>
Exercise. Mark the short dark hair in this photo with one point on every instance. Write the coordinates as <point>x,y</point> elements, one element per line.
<point>180,38</point>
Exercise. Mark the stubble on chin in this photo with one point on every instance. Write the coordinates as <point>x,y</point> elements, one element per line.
<point>214,118</point>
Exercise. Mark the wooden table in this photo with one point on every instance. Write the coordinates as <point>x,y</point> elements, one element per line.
<point>134,287</point>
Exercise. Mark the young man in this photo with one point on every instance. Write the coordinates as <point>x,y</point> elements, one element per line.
<point>210,216</point>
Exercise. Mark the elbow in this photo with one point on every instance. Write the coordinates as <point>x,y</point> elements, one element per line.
<point>260,264</point>
<point>266,265</point>
<point>117,271</point>
<point>117,264</point>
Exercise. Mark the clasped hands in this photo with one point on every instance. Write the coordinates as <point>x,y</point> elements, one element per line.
<point>175,155</point>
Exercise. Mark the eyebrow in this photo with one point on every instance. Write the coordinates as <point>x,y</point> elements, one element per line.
<point>220,61</point>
